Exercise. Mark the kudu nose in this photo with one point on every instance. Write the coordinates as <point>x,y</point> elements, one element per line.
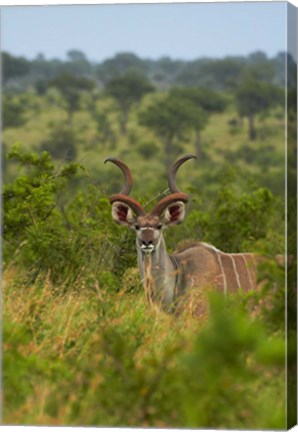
<point>146,242</point>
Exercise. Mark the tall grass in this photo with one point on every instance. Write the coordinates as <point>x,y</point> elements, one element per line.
<point>95,358</point>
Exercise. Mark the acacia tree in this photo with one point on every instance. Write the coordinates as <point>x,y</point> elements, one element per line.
<point>127,91</point>
<point>71,88</point>
<point>205,99</point>
<point>170,118</point>
<point>254,97</point>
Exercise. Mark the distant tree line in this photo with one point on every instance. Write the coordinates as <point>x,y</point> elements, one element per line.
<point>218,74</point>
<point>189,92</point>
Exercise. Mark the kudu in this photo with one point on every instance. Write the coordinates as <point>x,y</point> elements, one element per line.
<point>167,277</point>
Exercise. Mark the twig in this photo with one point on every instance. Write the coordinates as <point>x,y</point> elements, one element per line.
<point>160,195</point>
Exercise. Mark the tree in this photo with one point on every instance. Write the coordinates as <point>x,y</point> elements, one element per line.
<point>260,67</point>
<point>104,128</point>
<point>77,64</point>
<point>120,65</point>
<point>14,67</point>
<point>207,100</point>
<point>13,112</point>
<point>61,143</point>
<point>41,86</point>
<point>170,118</point>
<point>127,91</point>
<point>76,56</point>
<point>254,97</point>
<point>71,88</point>
<point>223,74</point>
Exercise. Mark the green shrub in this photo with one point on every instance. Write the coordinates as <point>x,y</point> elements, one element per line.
<point>234,221</point>
<point>13,112</point>
<point>61,143</point>
<point>229,358</point>
<point>49,232</point>
<point>148,149</point>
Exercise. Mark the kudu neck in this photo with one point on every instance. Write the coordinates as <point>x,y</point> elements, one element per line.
<point>157,273</point>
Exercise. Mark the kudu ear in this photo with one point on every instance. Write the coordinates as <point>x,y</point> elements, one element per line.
<point>122,213</point>
<point>174,213</point>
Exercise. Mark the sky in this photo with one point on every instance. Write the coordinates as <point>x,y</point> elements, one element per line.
<point>181,31</point>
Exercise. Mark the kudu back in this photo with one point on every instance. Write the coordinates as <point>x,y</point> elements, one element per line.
<point>167,278</point>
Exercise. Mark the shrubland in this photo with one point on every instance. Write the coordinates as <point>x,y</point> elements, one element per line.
<point>81,346</point>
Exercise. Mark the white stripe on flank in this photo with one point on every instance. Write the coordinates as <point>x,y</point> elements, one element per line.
<point>248,272</point>
<point>222,272</point>
<point>235,269</point>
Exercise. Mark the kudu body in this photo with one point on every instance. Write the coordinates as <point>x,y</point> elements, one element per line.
<point>168,277</point>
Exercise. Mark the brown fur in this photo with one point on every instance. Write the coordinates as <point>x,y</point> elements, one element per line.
<point>186,244</point>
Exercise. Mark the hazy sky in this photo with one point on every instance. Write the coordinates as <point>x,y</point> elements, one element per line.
<point>184,31</point>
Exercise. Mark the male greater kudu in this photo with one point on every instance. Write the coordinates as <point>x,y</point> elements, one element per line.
<point>167,277</point>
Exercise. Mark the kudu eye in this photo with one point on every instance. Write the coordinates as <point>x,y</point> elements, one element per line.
<point>137,227</point>
<point>159,226</point>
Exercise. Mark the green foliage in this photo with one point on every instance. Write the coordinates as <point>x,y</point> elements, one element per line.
<point>71,88</point>
<point>41,87</point>
<point>22,369</point>
<point>68,239</point>
<point>120,65</point>
<point>108,281</point>
<point>61,143</point>
<point>128,90</point>
<point>170,118</point>
<point>210,100</point>
<point>14,66</point>
<point>217,74</point>
<point>148,149</point>
<point>238,219</point>
<point>230,346</point>
<point>31,197</point>
<point>272,295</point>
<point>254,97</point>
<point>13,112</point>
<point>104,128</point>
<point>234,220</point>
<point>205,102</point>
<point>262,156</point>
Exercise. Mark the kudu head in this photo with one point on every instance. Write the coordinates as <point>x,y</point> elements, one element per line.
<point>170,210</point>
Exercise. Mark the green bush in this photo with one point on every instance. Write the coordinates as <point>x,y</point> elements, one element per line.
<point>148,149</point>
<point>61,143</point>
<point>13,112</point>
<point>228,357</point>
<point>47,231</point>
<point>233,220</point>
